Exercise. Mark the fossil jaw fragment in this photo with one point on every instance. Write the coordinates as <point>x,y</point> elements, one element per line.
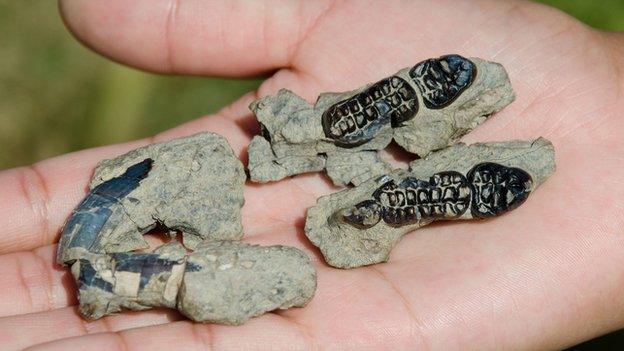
<point>361,225</point>
<point>423,108</point>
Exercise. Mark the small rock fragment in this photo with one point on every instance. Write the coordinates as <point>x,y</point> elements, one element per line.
<point>193,184</point>
<point>244,281</point>
<point>360,226</point>
<point>423,108</point>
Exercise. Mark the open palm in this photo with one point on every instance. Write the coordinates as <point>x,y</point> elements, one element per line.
<point>545,276</point>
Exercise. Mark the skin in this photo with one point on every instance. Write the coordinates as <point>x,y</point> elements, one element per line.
<point>545,276</point>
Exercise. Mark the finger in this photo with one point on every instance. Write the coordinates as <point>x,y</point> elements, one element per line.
<point>19,332</point>
<point>32,282</point>
<point>194,37</point>
<point>37,199</point>
<point>267,332</point>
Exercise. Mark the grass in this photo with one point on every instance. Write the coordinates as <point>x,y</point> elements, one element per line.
<point>57,96</point>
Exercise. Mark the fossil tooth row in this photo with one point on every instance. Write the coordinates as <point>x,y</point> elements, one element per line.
<point>360,226</point>
<point>423,108</point>
<point>356,120</point>
<point>489,190</point>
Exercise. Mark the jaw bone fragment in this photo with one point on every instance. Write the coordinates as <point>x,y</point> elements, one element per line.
<point>423,108</point>
<point>361,225</point>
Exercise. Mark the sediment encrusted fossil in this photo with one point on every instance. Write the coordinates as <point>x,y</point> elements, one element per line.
<point>190,185</point>
<point>361,225</point>
<point>224,282</point>
<point>423,108</point>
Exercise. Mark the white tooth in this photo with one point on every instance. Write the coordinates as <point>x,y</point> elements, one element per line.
<point>359,119</point>
<point>448,194</point>
<point>460,207</point>
<point>464,191</point>
<point>435,194</point>
<point>343,126</point>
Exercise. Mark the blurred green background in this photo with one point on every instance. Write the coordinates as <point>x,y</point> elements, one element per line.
<point>57,96</point>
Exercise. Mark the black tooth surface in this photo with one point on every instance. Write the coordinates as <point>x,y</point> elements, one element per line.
<point>389,101</point>
<point>413,199</point>
<point>442,80</point>
<point>491,183</point>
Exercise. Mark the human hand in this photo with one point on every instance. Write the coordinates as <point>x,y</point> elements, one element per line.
<point>543,277</point>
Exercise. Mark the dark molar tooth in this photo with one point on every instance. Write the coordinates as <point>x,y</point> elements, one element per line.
<point>497,189</point>
<point>390,101</point>
<point>414,199</point>
<point>489,189</point>
<point>442,80</point>
<point>363,215</point>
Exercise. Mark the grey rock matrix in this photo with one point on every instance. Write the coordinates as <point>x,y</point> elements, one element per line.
<point>423,108</point>
<point>361,225</point>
